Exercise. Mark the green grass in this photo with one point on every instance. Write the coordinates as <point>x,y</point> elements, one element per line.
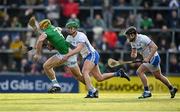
<point>76,103</point>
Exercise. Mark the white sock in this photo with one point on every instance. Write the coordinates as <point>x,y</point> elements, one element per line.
<point>92,89</point>
<point>147,91</point>
<point>55,83</point>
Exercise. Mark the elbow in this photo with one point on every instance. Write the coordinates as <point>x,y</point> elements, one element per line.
<point>156,48</point>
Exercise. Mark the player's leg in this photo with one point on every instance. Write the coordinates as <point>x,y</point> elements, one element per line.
<point>87,68</point>
<point>74,67</point>
<point>101,77</point>
<point>141,73</point>
<point>48,66</point>
<point>158,75</point>
<point>77,73</point>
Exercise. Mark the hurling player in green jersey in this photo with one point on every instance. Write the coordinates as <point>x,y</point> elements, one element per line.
<point>56,39</point>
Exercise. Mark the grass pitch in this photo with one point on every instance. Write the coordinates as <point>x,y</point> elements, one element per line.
<point>76,103</point>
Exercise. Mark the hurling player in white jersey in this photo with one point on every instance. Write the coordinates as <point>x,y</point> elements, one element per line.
<point>91,59</point>
<point>148,49</point>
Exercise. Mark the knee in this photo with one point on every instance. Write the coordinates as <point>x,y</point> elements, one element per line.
<point>157,76</point>
<point>45,66</point>
<point>99,79</point>
<point>85,72</point>
<point>138,73</point>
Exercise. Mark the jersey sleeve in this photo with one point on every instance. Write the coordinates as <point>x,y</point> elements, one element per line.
<point>146,40</point>
<point>82,38</point>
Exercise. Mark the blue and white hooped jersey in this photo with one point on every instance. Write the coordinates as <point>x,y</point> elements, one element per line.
<point>81,38</point>
<point>141,44</point>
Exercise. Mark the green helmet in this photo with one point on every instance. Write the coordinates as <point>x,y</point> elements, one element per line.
<point>71,24</point>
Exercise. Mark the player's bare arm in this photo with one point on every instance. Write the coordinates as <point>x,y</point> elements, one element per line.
<point>153,48</point>
<point>74,51</point>
<point>38,47</point>
<point>133,53</point>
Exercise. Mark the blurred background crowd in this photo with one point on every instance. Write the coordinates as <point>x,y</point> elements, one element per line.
<point>102,20</point>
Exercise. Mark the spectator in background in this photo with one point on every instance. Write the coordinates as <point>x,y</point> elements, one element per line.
<point>121,3</point>
<point>15,3</point>
<point>98,28</point>
<point>74,18</point>
<point>138,20</point>
<point>15,46</point>
<point>35,2</point>
<point>108,14</point>
<point>70,8</point>
<point>131,20</point>
<point>84,2</point>
<point>30,41</point>
<point>88,23</point>
<point>174,20</point>
<point>4,45</point>
<point>121,40</point>
<point>159,21</point>
<point>110,37</point>
<point>164,3</point>
<point>173,47</point>
<point>174,66</point>
<point>164,37</point>
<point>4,20</point>
<point>53,11</point>
<point>30,2</point>
<point>97,2</point>
<point>163,46</point>
<point>147,3</point>
<point>4,42</point>
<point>119,22</point>
<point>146,22</point>
<point>25,66</point>
<point>16,23</point>
<point>98,21</point>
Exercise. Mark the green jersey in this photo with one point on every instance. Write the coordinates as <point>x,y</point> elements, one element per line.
<point>55,37</point>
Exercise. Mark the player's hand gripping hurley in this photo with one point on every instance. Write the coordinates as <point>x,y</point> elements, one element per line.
<point>114,63</point>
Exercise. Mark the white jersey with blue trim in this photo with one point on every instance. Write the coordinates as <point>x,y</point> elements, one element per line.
<point>81,38</point>
<point>141,44</point>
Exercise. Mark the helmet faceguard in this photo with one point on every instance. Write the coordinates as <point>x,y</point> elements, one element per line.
<point>131,33</point>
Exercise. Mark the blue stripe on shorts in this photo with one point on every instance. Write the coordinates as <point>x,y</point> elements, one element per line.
<point>155,61</point>
<point>93,57</point>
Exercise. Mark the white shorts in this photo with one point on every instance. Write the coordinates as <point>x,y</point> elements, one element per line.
<point>71,62</point>
<point>151,68</point>
<point>154,64</point>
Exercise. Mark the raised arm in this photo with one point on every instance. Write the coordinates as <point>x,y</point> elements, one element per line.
<point>38,46</point>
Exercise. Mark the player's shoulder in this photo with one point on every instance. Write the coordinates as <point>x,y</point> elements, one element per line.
<point>81,33</point>
<point>142,37</point>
